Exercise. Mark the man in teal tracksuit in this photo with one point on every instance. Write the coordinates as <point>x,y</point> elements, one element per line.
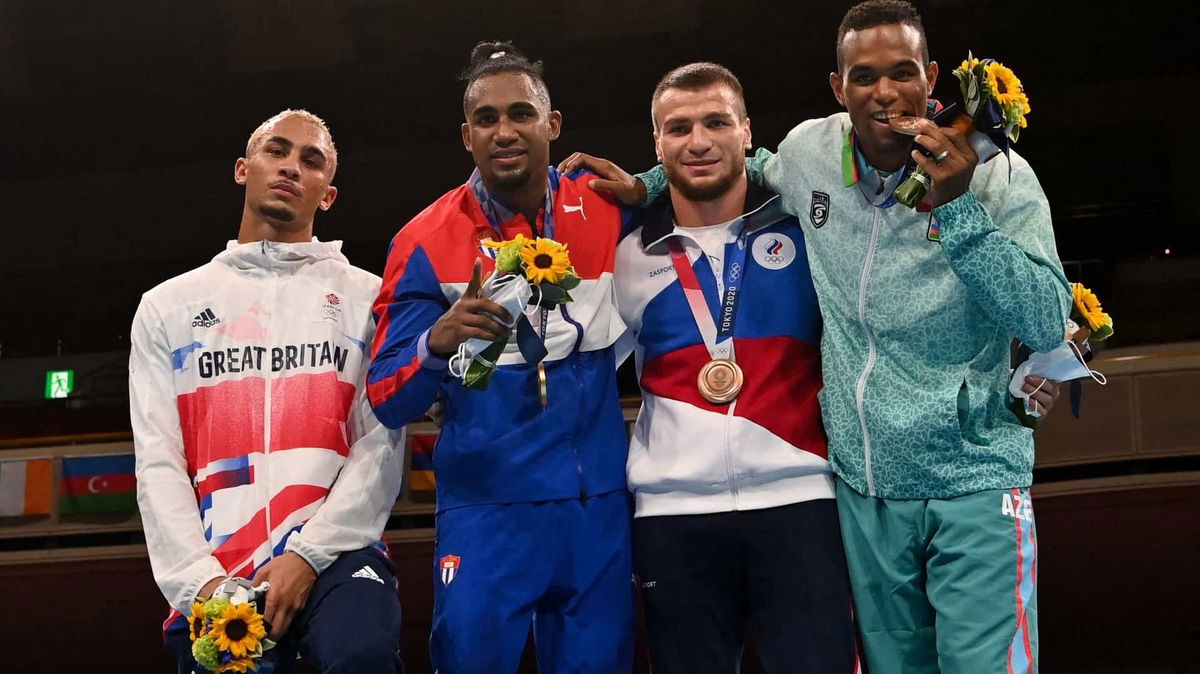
<point>920,309</point>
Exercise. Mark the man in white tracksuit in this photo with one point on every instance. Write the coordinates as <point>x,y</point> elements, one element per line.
<point>257,453</point>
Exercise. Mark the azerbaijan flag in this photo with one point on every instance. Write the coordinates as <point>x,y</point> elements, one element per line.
<point>96,484</point>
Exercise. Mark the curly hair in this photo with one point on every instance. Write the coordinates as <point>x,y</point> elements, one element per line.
<point>878,13</point>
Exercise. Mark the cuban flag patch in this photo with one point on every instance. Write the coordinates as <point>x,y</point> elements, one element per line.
<point>449,566</point>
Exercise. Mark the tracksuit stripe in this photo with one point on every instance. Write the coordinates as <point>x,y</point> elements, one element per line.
<point>1020,652</point>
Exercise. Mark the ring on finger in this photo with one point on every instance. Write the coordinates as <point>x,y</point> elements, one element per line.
<point>942,155</point>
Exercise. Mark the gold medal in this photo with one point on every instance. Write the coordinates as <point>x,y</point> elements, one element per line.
<point>542,385</point>
<point>720,381</point>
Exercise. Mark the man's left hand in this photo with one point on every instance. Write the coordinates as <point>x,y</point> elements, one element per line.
<point>1044,393</point>
<point>613,179</point>
<point>291,580</point>
<point>952,164</point>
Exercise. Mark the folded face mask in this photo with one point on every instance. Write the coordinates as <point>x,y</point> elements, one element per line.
<point>1063,363</point>
<point>509,291</point>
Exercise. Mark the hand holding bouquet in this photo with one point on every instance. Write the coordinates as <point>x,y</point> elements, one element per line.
<point>529,272</point>
<point>1067,361</point>
<point>994,109</point>
<point>228,633</point>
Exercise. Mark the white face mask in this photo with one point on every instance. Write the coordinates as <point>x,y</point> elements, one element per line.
<point>509,291</point>
<point>1063,363</point>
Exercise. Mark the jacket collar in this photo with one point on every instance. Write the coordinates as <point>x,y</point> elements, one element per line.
<point>762,209</point>
<point>274,255</point>
<point>498,213</point>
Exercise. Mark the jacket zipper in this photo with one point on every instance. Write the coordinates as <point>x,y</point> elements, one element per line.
<point>266,472</point>
<point>861,390</point>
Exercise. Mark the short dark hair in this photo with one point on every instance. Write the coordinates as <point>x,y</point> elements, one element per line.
<point>698,76</point>
<point>491,58</point>
<point>873,13</point>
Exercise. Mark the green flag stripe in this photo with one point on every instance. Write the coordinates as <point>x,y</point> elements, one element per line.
<point>97,503</point>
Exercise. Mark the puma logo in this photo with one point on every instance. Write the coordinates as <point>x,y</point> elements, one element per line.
<point>568,208</point>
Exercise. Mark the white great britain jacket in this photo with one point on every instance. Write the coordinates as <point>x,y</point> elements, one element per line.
<point>251,428</point>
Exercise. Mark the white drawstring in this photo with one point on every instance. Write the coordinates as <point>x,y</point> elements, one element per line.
<point>536,289</point>
<point>456,367</point>
<point>1097,377</point>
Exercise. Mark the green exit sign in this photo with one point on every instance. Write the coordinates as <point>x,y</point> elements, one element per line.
<point>59,383</point>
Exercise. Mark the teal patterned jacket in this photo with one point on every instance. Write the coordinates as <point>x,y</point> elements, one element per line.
<point>919,316</point>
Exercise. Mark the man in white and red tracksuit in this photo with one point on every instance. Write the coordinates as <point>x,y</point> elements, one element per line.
<point>257,453</point>
<point>736,528</point>
<point>533,523</point>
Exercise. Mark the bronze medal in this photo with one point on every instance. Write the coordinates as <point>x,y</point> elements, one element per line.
<point>720,381</point>
<point>543,394</point>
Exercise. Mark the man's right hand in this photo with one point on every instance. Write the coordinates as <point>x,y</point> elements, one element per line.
<point>468,319</point>
<point>206,592</point>
<point>613,179</point>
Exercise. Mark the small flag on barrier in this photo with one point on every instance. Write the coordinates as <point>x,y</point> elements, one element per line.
<point>25,487</point>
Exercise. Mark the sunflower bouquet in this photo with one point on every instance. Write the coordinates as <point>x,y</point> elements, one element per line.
<point>994,110</point>
<point>1068,361</point>
<point>529,272</point>
<point>1088,319</point>
<point>228,633</point>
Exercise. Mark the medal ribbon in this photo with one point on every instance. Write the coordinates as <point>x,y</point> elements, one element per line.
<point>716,334</point>
<point>498,213</point>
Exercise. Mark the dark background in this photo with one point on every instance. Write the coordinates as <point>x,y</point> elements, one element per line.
<point>122,122</point>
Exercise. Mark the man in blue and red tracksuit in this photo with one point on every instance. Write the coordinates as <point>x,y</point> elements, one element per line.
<point>533,522</point>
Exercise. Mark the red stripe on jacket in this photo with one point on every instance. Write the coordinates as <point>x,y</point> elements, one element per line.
<point>781,382</point>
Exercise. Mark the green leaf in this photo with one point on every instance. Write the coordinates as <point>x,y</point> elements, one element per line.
<point>912,190</point>
<point>569,282</point>
<point>483,365</point>
<point>552,294</point>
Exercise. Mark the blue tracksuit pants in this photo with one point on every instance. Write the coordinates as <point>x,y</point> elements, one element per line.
<point>563,568</point>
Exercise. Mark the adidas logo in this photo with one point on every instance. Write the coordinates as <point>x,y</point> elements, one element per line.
<point>368,573</point>
<point>205,319</point>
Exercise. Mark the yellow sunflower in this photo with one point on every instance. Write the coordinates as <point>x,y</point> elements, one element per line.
<point>1087,307</point>
<point>546,260</point>
<point>969,64</point>
<point>239,630</point>
<point>1005,85</point>
<point>196,621</point>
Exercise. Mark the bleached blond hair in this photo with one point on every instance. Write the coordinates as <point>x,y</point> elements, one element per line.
<point>256,138</point>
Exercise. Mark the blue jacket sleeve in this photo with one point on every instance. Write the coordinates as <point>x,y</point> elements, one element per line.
<point>1004,253</point>
<point>404,376</point>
